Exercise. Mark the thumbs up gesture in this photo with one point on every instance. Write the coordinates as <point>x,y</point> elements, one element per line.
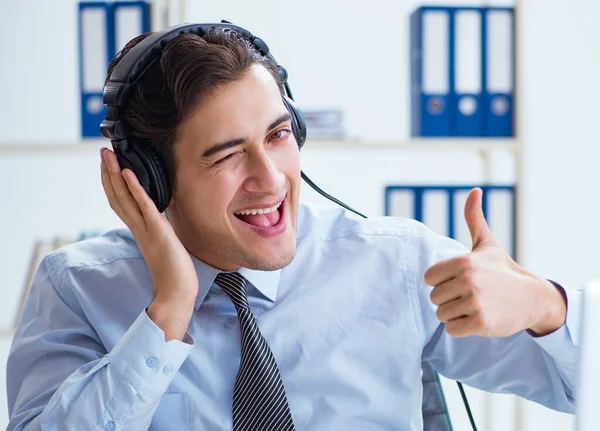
<point>487,293</point>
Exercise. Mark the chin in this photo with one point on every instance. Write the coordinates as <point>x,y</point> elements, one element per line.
<point>274,257</point>
<point>262,264</point>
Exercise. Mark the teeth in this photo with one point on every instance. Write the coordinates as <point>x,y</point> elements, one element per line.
<point>259,211</point>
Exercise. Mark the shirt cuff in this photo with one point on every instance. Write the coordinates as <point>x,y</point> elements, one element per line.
<point>145,359</point>
<point>562,342</point>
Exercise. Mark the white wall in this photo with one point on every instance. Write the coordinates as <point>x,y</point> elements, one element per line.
<point>56,192</point>
<point>559,127</point>
<point>39,72</point>
<point>559,86</point>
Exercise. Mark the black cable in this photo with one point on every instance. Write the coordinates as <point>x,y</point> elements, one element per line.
<point>331,198</point>
<point>464,397</point>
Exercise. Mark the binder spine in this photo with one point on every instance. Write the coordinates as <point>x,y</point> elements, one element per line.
<point>452,96</point>
<point>431,53</point>
<point>499,47</point>
<point>466,68</point>
<point>98,35</point>
<point>94,24</point>
<point>416,65</point>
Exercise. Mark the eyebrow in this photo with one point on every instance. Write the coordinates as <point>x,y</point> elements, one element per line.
<point>239,141</point>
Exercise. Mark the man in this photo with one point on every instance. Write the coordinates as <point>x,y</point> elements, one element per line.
<point>243,309</point>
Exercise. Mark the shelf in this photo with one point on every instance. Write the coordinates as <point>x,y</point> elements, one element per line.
<point>473,144</point>
<point>83,146</point>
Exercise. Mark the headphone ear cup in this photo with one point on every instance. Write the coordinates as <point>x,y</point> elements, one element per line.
<point>150,170</point>
<point>298,123</point>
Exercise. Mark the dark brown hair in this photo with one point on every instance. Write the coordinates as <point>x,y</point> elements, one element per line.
<point>189,68</point>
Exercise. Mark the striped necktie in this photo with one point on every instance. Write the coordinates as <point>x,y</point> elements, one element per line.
<point>259,400</point>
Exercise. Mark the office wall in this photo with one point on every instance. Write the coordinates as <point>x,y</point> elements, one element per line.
<point>558,125</point>
<point>58,192</point>
<point>39,74</point>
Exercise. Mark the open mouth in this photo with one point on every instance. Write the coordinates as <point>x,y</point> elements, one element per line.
<point>262,218</point>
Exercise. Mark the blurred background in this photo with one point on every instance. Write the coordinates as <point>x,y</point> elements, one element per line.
<point>409,104</point>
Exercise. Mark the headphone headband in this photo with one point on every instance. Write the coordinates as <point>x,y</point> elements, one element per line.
<point>135,153</point>
<point>132,67</point>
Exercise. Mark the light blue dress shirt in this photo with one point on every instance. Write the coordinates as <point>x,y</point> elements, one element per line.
<point>348,321</point>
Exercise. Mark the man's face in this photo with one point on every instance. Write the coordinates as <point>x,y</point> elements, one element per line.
<point>236,158</point>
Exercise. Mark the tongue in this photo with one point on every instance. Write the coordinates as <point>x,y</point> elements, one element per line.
<point>261,220</point>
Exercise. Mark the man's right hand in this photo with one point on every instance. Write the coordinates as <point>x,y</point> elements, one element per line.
<point>170,265</point>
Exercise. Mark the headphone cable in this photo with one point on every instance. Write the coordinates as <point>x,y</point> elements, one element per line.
<point>328,196</point>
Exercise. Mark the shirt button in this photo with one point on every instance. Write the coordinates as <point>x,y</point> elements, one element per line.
<point>110,426</point>
<point>229,323</point>
<point>168,369</point>
<point>151,362</point>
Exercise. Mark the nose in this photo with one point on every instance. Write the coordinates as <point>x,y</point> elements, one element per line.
<point>264,175</point>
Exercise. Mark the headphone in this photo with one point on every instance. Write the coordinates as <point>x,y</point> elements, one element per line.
<point>136,154</point>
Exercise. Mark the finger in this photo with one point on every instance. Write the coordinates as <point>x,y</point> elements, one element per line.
<point>448,291</point>
<point>465,326</point>
<point>108,189</point>
<point>145,204</point>
<point>478,227</point>
<point>131,213</point>
<point>447,269</point>
<point>456,309</point>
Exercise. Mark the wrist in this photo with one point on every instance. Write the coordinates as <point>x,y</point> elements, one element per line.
<point>174,297</point>
<point>171,316</point>
<point>552,309</point>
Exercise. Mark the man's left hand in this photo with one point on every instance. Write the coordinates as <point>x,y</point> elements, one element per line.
<point>487,293</point>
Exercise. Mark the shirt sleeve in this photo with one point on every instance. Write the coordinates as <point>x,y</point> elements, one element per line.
<point>59,375</point>
<point>540,369</point>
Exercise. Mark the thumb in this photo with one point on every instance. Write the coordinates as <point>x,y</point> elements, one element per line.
<point>480,231</point>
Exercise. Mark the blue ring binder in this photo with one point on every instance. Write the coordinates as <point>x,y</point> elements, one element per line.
<point>488,112</point>
<point>104,35</point>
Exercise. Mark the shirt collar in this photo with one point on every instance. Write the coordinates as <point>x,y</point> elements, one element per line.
<point>266,282</point>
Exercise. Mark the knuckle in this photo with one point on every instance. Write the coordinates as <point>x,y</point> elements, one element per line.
<point>452,329</point>
<point>135,229</point>
<point>120,195</point>
<point>465,263</point>
<point>144,206</point>
<point>434,296</point>
<point>148,207</point>
<point>474,302</point>
<point>428,278</point>
<point>480,322</point>
<point>469,282</point>
<point>440,314</point>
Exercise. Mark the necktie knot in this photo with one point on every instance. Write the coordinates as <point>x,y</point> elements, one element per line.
<point>234,285</point>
